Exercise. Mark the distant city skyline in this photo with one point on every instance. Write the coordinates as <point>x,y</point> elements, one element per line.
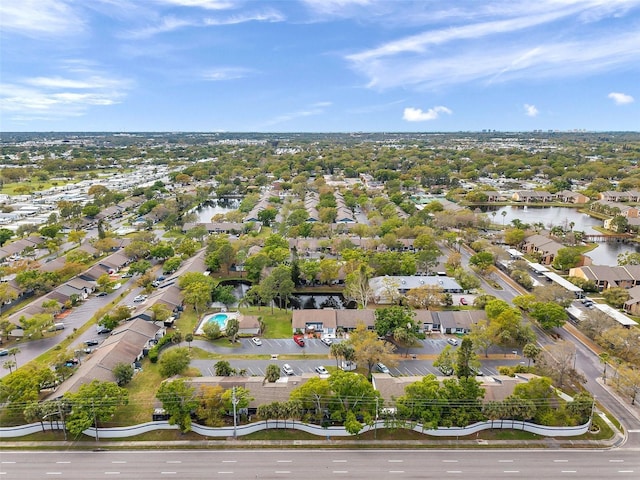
<point>319,65</point>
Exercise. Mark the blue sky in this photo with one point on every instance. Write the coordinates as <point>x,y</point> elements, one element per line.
<point>319,65</point>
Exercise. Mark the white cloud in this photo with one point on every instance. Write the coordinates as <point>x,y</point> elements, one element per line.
<point>59,97</point>
<point>530,110</point>
<point>206,4</point>
<point>225,73</point>
<point>317,108</point>
<point>503,49</point>
<point>621,98</point>
<point>37,18</point>
<point>418,115</point>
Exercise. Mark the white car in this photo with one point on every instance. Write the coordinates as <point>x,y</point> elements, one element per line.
<point>140,299</point>
<point>453,341</point>
<point>321,370</point>
<point>256,341</point>
<point>326,341</point>
<point>382,368</point>
<point>286,368</point>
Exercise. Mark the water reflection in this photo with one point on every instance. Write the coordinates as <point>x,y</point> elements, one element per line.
<point>215,207</point>
<point>603,254</point>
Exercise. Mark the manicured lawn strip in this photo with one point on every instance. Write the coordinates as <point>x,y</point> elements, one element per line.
<point>277,324</point>
<point>142,397</point>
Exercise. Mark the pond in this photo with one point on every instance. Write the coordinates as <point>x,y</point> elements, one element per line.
<point>207,210</point>
<point>604,254</point>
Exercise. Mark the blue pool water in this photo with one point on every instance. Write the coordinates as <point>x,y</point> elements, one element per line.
<point>220,319</point>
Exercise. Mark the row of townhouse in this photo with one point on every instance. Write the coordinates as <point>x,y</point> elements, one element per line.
<point>613,196</point>
<point>343,213</point>
<point>329,322</point>
<point>605,276</point>
<point>311,201</point>
<point>615,208</point>
<point>80,286</point>
<point>496,387</point>
<point>262,204</point>
<point>540,196</point>
<point>543,246</point>
<point>131,341</point>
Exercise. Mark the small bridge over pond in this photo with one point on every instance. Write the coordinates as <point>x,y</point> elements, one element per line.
<point>614,237</point>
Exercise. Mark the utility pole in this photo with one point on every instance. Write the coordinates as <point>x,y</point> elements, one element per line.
<point>95,419</point>
<point>234,402</point>
<point>64,425</point>
<point>375,429</point>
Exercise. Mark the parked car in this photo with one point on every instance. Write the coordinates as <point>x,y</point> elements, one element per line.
<point>102,329</point>
<point>382,368</point>
<point>4,352</point>
<point>286,368</point>
<point>102,294</point>
<point>91,343</point>
<point>127,275</point>
<point>299,340</point>
<point>256,341</point>
<point>348,366</point>
<point>321,370</point>
<point>139,299</point>
<point>446,370</point>
<point>463,301</point>
<point>326,341</point>
<point>452,341</point>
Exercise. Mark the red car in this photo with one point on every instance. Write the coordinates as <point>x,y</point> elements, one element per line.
<point>463,301</point>
<point>299,340</point>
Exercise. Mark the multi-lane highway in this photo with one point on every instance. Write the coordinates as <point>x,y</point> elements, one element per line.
<point>324,464</point>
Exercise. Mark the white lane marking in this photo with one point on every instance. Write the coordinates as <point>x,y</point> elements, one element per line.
<point>454,471</point>
<point>569,471</point>
<point>625,471</point>
<point>168,473</point>
<point>7,463</point>
<point>616,461</point>
<point>3,473</point>
<point>395,461</point>
<point>505,461</point>
<point>174,461</point>
<point>119,461</point>
<point>54,473</point>
<point>225,473</point>
<point>512,471</point>
<point>229,461</point>
<point>282,471</point>
<point>112,473</point>
<point>285,461</point>
<point>450,461</point>
<point>560,461</point>
<point>633,431</point>
<point>340,471</point>
<point>339,461</point>
<point>396,471</point>
<point>63,462</point>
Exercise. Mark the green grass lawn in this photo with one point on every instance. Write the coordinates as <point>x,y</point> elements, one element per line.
<point>277,324</point>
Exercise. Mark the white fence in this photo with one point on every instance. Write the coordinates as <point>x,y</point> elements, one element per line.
<point>242,430</point>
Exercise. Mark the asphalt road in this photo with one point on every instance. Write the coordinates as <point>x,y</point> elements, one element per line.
<point>323,464</point>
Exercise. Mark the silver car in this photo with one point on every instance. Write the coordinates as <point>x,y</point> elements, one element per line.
<point>286,368</point>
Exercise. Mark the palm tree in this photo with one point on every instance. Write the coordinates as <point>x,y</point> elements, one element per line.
<point>14,351</point>
<point>604,357</point>
<point>504,214</point>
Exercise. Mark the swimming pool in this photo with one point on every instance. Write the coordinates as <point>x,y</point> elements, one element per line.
<point>220,318</point>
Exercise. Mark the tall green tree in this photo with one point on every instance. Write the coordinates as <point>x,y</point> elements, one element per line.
<point>467,362</point>
<point>178,400</point>
<point>94,403</point>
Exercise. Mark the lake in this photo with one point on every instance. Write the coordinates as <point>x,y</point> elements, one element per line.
<point>207,210</point>
<point>603,254</point>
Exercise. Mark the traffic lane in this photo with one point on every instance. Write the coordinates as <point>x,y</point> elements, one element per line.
<point>343,463</point>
